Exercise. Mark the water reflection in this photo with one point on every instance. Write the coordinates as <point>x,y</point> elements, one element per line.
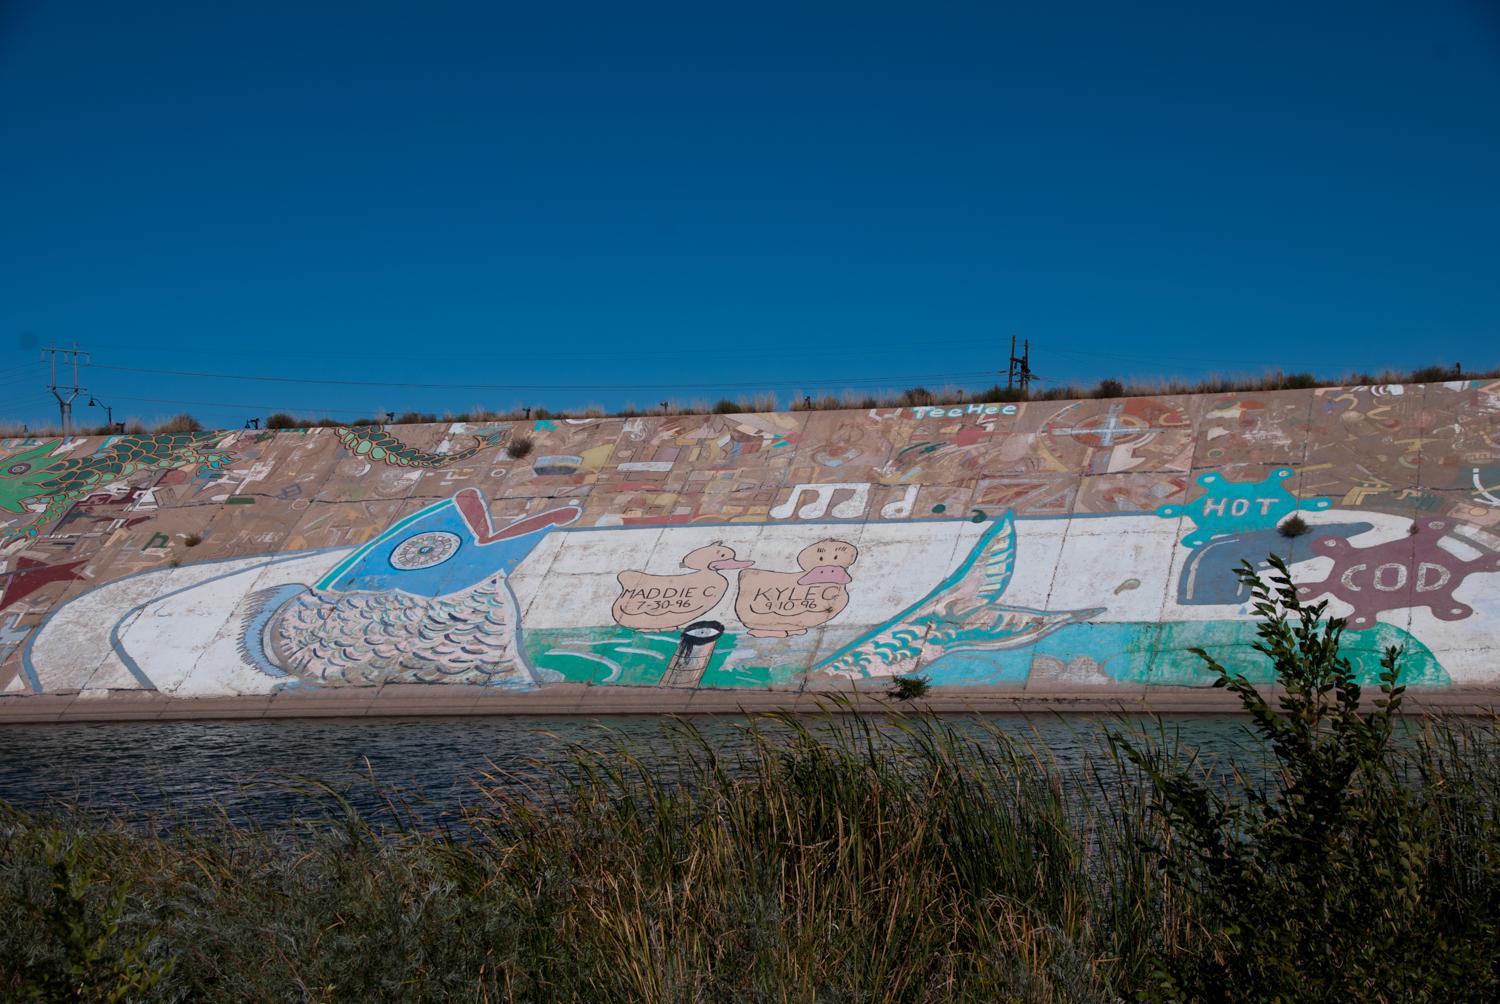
<point>186,772</point>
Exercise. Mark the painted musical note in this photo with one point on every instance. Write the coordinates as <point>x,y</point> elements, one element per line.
<point>900,508</point>
<point>827,499</point>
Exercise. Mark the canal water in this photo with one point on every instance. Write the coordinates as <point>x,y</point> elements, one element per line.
<point>256,771</point>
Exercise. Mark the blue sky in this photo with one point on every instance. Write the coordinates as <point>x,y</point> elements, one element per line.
<point>576,203</point>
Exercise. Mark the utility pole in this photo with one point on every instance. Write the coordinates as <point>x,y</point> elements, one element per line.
<point>65,404</point>
<point>1020,367</point>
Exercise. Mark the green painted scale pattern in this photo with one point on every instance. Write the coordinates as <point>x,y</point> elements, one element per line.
<point>29,477</point>
<point>377,444</point>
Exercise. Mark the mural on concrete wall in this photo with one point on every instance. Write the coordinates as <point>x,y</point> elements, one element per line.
<point>1037,545</point>
<point>47,476</point>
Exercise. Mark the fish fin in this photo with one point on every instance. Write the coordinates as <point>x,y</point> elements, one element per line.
<point>996,560</point>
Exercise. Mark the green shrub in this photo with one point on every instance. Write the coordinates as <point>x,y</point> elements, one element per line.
<point>907,688</point>
<point>1324,877</point>
<point>84,956</point>
<point>1436,374</point>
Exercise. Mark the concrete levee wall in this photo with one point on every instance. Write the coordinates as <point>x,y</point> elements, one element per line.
<point>1059,547</point>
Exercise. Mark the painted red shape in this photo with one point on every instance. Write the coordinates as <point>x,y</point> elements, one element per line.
<point>477,515</point>
<point>1410,572</point>
<point>29,576</point>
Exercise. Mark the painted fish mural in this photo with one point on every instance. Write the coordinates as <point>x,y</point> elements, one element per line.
<point>425,602</point>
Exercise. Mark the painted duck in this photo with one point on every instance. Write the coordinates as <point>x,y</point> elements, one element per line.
<point>782,604</point>
<point>668,602</point>
<point>961,614</point>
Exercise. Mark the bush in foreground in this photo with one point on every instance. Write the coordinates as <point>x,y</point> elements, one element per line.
<point>1350,869</point>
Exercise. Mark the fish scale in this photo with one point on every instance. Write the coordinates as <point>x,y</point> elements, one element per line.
<point>377,444</point>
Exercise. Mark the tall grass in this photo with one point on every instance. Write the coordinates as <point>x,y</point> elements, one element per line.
<point>890,860</point>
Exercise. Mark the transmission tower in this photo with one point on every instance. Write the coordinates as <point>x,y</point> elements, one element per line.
<point>65,404</point>
<point>1020,367</point>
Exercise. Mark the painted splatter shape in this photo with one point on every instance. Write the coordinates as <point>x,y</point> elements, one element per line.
<point>1412,571</point>
<point>1238,506</point>
<point>29,478</point>
<point>961,614</point>
<point>379,445</point>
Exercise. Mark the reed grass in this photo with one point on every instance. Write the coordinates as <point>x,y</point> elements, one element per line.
<point>855,859</point>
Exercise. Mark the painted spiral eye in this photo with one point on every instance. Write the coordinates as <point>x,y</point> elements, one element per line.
<point>18,469</point>
<point>424,550</point>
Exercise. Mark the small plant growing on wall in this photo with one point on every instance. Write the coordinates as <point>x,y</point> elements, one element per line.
<point>1293,526</point>
<point>518,447</point>
<point>907,688</point>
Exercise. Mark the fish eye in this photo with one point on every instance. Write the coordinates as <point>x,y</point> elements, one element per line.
<point>424,550</point>
<point>18,469</point>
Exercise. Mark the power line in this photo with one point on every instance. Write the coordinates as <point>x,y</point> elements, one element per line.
<point>242,407</point>
<point>905,378</point>
<point>30,402</point>
<point>510,354</point>
<point>1170,360</point>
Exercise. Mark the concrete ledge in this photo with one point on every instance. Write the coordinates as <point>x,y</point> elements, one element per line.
<point>448,700</point>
